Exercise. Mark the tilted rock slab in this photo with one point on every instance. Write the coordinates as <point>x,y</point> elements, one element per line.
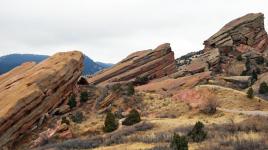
<point>243,33</point>
<point>31,90</point>
<point>151,63</point>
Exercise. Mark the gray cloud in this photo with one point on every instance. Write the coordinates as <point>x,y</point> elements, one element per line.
<point>110,30</point>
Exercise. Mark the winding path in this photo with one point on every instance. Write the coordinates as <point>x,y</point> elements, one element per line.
<point>252,113</point>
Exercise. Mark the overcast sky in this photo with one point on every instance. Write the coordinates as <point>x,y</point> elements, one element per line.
<point>108,30</point>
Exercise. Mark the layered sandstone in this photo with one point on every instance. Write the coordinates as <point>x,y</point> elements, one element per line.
<point>242,34</point>
<point>30,90</point>
<point>150,63</point>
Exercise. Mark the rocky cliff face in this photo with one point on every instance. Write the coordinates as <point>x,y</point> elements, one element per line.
<point>245,36</point>
<point>241,34</point>
<point>30,90</point>
<point>150,63</point>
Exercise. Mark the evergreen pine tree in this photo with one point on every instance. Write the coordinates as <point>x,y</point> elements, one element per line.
<point>111,123</point>
<point>132,118</point>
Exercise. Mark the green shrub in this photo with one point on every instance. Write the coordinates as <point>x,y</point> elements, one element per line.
<point>132,118</point>
<point>239,58</point>
<point>110,123</point>
<point>179,142</point>
<point>130,89</point>
<point>197,134</point>
<point>259,60</point>
<point>72,102</point>
<point>254,76</point>
<point>244,73</point>
<point>141,80</point>
<point>263,88</point>
<point>250,93</point>
<point>83,97</point>
<point>77,117</point>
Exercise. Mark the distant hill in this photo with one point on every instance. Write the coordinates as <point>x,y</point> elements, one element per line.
<point>11,61</point>
<point>105,65</point>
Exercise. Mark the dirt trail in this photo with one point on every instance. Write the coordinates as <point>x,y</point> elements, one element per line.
<point>245,112</point>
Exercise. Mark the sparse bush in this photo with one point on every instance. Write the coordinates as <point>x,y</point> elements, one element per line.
<point>130,89</point>
<point>248,64</point>
<point>239,58</point>
<point>77,117</point>
<point>254,76</point>
<point>65,120</point>
<point>83,97</point>
<point>263,89</point>
<point>141,80</point>
<point>244,73</point>
<point>111,123</point>
<point>210,105</point>
<point>132,118</point>
<point>116,87</point>
<point>72,102</point>
<point>197,134</point>
<point>259,60</point>
<point>250,93</point>
<point>179,142</point>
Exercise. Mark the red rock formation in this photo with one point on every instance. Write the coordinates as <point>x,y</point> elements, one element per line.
<point>171,86</point>
<point>29,91</point>
<point>241,34</point>
<point>151,63</point>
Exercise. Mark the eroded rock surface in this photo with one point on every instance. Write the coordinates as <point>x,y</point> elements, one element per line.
<point>29,91</point>
<point>150,63</point>
<point>242,33</point>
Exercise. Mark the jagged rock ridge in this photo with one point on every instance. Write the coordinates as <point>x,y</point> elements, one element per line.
<point>150,63</point>
<point>241,34</point>
<point>30,90</point>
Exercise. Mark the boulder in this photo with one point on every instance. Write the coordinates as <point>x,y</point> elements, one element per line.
<point>239,81</point>
<point>150,63</point>
<point>29,91</point>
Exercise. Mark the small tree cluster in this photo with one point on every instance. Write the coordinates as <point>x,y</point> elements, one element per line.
<point>141,80</point>
<point>111,123</point>
<point>179,142</point>
<point>263,89</point>
<point>72,102</point>
<point>250,93</point>
<point>197,134</point>
<point>77,117</point>
<point>83,97</point>
<point>132,118</point>
<point>259,60</point>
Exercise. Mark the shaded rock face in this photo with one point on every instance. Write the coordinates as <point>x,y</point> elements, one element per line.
<point>241,34</point>
<point>30,90</point>
<point>150,63</point>
<point>198,62</point>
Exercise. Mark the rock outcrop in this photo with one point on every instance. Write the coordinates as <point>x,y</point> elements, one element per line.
<point>241,34</point>
<point>239,42</point>
<point>172,86</point>
<point>31,90</point>
<point>147,63</point>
